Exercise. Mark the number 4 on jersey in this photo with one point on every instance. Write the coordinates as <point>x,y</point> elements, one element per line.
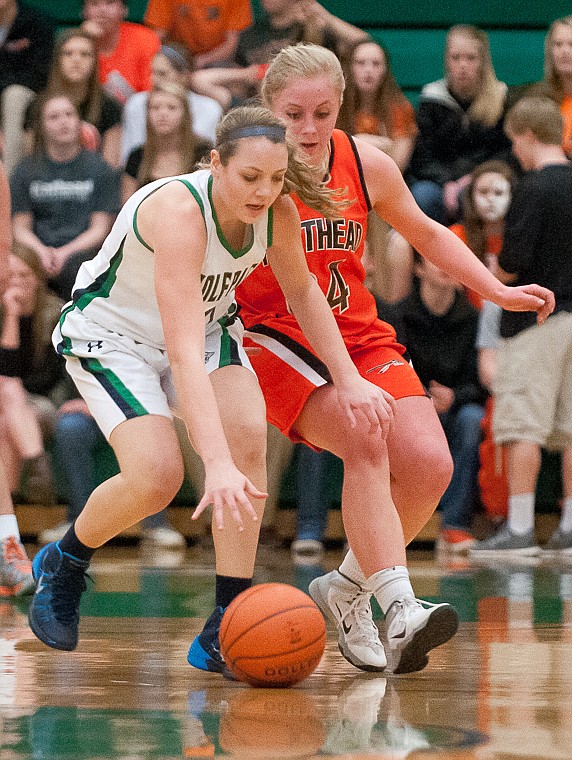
<point>338,291</point>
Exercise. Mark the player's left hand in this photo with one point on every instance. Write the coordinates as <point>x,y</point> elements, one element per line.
<point>360,398</point>
<point>529,298</point>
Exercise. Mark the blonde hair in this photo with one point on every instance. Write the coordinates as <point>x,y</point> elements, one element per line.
<point>472,222</point>
<point>299,178</point>
<point>187,138</point>
<point>540,115</point>
<point>552,85</point>
<point>301,61</point>
<point>489,103</point>
<point>47,306</point>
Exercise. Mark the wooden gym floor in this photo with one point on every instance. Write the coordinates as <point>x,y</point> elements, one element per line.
<point>501,689</point>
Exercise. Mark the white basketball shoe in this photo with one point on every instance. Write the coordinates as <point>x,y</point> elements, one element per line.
<point>347,604</point>
<point>414,627</point>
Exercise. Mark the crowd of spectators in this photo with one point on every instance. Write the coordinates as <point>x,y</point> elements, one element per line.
<point>90,114</point>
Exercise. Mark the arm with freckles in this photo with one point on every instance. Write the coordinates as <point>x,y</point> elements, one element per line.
<point>392,201</point>
<point>310,307</point>
<point>171,222</point>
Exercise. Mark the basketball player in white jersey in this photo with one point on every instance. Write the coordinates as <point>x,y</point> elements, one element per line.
<point>154,313</point>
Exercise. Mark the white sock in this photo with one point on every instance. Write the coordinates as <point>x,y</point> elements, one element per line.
<point>566,516</point>
<point>351,569</point>
<point>8,527</point>
<point>390,585</point>
<point>521,513</point>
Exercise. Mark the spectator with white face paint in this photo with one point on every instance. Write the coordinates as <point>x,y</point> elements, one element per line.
<point>485,205</point>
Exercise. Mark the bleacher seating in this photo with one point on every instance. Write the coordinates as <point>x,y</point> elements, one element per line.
<point>414,33</point>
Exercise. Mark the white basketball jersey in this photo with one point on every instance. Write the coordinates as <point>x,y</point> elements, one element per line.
<point>116,288</point>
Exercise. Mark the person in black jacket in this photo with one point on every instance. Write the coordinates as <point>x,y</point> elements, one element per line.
<point>25,57</point>
<point>438,326</point>
<point>460,120</point>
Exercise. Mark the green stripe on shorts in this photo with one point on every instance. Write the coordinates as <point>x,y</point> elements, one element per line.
<point>115,387</point>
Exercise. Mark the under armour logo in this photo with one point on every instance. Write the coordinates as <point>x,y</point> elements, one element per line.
<point>381,368</point>
<point>94,344</point>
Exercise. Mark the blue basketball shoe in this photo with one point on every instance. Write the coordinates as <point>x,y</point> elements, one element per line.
<point>54,611</point>
<point>204,652</point>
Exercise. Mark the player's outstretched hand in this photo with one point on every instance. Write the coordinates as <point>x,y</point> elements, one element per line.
<point>529,298</point>
<point>360,398</point>
<point>227,488</point>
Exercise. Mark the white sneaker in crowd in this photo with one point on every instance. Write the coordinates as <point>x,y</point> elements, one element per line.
<point>51,535</point>
<point>164,537</point>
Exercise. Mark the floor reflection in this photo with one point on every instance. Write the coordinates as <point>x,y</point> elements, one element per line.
<point>502,688</point>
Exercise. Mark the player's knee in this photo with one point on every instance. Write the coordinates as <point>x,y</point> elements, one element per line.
<point>247,440</point>
<point>434,472</point>
<point>160,480</point>
<point>362,448</point>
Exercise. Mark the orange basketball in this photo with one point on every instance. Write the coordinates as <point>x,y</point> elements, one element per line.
<point>272,635</point>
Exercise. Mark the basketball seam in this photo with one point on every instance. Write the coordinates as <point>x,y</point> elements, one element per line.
<point>278,654</point>
<point>269,617</point>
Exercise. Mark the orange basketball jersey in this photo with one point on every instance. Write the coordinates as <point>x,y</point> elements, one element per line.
<point>333,249</point>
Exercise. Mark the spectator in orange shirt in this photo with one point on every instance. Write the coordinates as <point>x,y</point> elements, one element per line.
<point>208,28</point>
<point>374,108</point>
<point>557,82</point>
<point>125,50</point>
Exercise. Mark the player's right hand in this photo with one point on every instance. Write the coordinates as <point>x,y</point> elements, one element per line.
<point>228,488</point>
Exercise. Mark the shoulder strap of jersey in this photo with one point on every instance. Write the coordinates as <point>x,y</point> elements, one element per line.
<point>345,154</point>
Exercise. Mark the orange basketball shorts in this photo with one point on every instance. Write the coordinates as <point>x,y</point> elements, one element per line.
<point>289,371</point>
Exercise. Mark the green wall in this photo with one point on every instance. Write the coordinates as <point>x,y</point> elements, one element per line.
<point>414,32</point>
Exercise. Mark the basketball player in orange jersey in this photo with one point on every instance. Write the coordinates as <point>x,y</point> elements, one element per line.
<point>391,485</point>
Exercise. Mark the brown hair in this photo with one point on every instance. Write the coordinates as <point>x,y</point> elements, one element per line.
<point>187,138</point>
<point>39,139</point>
<point>472,222</point>
<point>299,178</point>
<point>488,105</point>
<point>540,115</point>
<point>58,85</point>
<point>388,92</point>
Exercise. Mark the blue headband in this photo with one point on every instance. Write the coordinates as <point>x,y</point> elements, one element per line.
<point>276,132</point>
<point>176,59</point>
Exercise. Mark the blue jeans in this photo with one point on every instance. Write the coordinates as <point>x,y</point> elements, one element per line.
<point>312,493</point>
<point>463,430</point>
<point>76,438</point>
<point>429,198</point>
